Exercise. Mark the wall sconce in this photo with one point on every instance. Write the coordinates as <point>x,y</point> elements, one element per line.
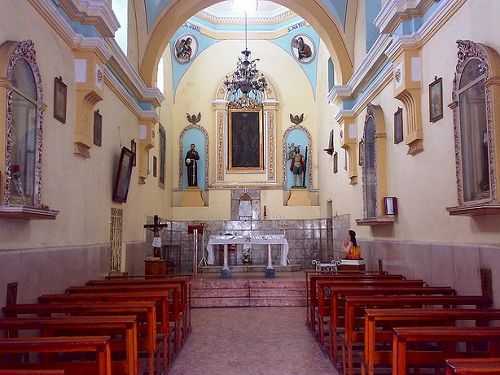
<point>391,206</point>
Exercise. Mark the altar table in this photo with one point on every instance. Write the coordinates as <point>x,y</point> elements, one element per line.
<point>247,242</point>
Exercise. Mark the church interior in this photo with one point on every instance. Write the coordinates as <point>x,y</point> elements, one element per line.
<point>246,159</point>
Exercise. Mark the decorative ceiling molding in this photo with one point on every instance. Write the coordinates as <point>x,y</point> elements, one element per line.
<point>94,12</point>
<point>395,11</point>
<point>270,18</point>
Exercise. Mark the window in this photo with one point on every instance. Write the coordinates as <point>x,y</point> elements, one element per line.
<point>473,92</point>
<point>120,7</point>
<point>163,150</point>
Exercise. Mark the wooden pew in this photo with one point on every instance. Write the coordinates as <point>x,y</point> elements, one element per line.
<point>121,329</point>
<point>185,296</point>
<point>379,324</point>
<point>449,336</point>
<point>78,344</point>
<point>355,306</point>
<point>32,372</point>
<point>176,315</point>
<point>323,306</point>
<point>313,277</point>
<point>472,366</point>
<point>337,304</point>
<point>159,297</point>
<point>144,312</point>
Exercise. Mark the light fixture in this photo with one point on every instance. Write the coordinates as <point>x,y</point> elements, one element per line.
<point>246,86</point>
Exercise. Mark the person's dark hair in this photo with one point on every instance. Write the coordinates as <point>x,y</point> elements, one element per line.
<point>352,234</point>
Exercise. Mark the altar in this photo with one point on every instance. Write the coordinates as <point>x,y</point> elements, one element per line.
<point>247,242</point>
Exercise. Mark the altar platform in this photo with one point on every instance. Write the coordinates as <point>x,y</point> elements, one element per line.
<point>248,289</point>
<point>257,268</point>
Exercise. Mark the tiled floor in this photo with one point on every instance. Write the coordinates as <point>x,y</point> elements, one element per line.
<point>251,341</point>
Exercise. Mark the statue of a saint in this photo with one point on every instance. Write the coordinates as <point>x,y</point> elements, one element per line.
<point>191,159</point>
<point>297,166</point>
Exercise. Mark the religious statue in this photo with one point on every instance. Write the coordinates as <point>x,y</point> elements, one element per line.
<point>297,166</point>
<point>192,167</point>
<point>156,228</point>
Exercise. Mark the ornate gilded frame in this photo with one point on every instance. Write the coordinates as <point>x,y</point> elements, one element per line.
<point>181,155</point>
<point>254,109</point>
<point>10,53</point>
<point>468,50</point>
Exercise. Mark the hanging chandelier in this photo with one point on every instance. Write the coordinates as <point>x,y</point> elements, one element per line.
<point>246,85</point>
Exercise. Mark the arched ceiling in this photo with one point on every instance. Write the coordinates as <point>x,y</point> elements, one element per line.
<point>164,17</point>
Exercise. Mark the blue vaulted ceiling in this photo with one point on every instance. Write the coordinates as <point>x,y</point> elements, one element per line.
<point>336,8</point>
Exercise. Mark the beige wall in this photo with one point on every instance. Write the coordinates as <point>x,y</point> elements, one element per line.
<point>424,184</point>
<point>81,189</point>
<point>197,90</point>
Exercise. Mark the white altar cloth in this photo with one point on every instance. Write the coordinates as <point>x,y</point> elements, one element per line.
<point>247,241</point>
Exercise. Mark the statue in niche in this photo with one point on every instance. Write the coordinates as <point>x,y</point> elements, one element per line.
<point>191,162</point>
<point>297,166</point>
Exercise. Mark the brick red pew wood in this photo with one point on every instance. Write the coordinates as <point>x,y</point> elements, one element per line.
<point>121,329</point>
<point>404,358</point>
<point>78,344</point>
<point>472,366</point>
<point>379,324</point>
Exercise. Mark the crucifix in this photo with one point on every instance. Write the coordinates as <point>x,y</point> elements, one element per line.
<point>156,228</point>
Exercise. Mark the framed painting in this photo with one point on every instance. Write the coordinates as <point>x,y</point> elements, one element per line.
<point>133,148</point>
<point>303,49</point>
<point>398,126</point>
<point>246,150</point>
<point>123,175</point>
<point>155,166</point>
<point>60,99</point>
<point>335,162</point>
<point>97,128</point>
<point>436,100</point>
<point>361,152</point>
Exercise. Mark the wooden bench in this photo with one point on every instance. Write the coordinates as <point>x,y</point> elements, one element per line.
<point>78,344</point>
<point>159,297</point>
<point>403,357</point>
<point>379,324</point>
<point>144,312</point>
<point>337,303</point>
<point>121,329</point>
<point>323,305</point>
<point>311,287</point>
<point>355,307</point>
<point>176,313</point>
<point>185,296</point>
<point>472,366</point>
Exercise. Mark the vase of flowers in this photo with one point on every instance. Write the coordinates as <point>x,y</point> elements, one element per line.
<point>247,257</point>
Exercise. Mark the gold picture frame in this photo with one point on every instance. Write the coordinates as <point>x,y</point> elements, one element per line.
<point>60,99</point>
<point>246,136</point>
<point>436,100</point>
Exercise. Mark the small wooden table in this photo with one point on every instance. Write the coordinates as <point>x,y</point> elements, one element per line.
<point>155,267</point>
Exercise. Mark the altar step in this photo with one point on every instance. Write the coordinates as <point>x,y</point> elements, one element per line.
<point>247,293</point>
<point>251,268</point>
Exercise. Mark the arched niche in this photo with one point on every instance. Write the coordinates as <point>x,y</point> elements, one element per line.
<point>267,176</point>
<point>298,135</point>
<point>178,12</point>
<point>21,107</point>
<point>198,135</point>
<point>374,167</point>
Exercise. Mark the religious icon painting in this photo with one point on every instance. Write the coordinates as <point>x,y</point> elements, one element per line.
<point>185,48</point>
<point>303,49</point>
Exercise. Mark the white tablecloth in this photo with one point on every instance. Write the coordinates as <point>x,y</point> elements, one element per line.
<point>246,241</point>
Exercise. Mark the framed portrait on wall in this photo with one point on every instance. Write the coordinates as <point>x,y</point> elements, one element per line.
<point>60,99</point>
<point>123,175</point>
<point>246,150</point>
<point>361,152</point>
<point>133,148</point>
<point>398,126</point>
<point>335,162</point>
<point>436,100</point>
<point>303,49</point>
<point>97,128</point>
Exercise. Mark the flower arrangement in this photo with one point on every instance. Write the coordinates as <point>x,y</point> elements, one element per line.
<point>247,257</point>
